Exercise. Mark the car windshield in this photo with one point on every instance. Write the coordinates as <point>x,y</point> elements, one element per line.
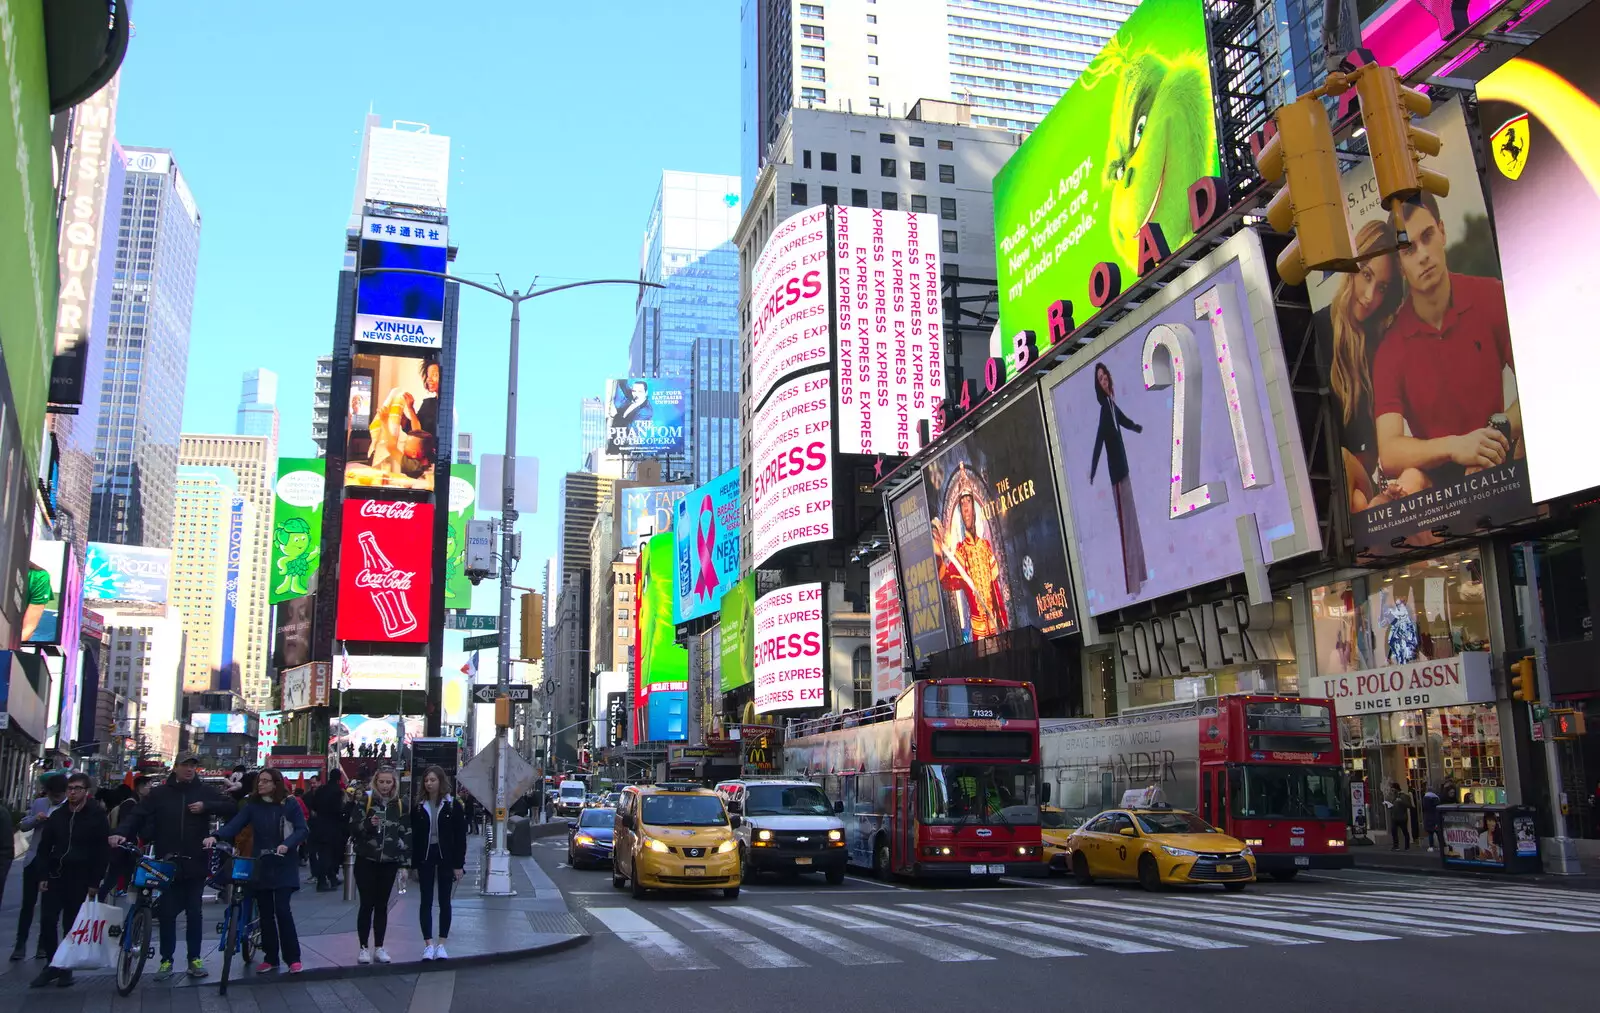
<point>956,793</point>
<point>786,800</point>
<point>1286,792</point>
<point>597,817</point>
<point>572,791</point>
<point>1054,820</point>
<point>683,811</point>
<point>1173,823</point>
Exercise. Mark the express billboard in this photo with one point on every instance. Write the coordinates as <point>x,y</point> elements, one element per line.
<point>392,434</point>
<point>791,482</point>
<point>707,534</point>
<point>888,327</point>
<point>735,644</point>
<point>296,526</point>
<point>789,302</point>
<point>126,573</point>
<point>919,572</point>
<point>648,417</point>
<point>393,306</point>
<point>463,503</point>
<point>385,571</point>
<point>1546,188</point>
<point>790,664</point>
<point>1119,150</point>
<point>1420,361</point>
<point>1178,471</point>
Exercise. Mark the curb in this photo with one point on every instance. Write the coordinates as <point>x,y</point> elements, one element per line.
<point>409,967</point>
<point>1581,882</point>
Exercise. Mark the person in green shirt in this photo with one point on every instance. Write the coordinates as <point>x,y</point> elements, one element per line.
<point>40,594</point>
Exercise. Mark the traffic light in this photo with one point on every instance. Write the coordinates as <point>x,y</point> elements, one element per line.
<point>502,712</point>
<point>532,626</point>
<point>1524,681</point>
<point>1311,203</point>
<point>1569,723</point>
<point>1397,147</point>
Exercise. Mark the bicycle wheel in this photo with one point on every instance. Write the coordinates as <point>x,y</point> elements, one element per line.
<point>135,948</point>
<point>228,945</point>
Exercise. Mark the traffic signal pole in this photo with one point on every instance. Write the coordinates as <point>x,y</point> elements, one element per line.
<point>1563,857</point>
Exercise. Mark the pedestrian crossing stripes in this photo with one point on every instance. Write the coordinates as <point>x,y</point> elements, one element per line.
<point>1077,922</point>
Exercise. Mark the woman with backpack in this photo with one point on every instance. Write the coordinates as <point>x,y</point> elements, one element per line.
<point>381,829</point>
<point>276,827</point>
<point>438,854</point>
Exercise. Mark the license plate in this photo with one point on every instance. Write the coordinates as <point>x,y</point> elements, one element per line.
<point>1224,868</point>
<point>694,870</point>
<point>1302,861</point>
<point>979,870</point>
<point>802,861</point>
<point>1297,842</point>
<point>997,870</point>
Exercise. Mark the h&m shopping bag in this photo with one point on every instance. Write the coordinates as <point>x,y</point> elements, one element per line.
<point>89,945</point>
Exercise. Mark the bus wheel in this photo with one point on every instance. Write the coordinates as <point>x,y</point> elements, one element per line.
<point>1080,870</point>
<point>880,858</point>
<point>1284,875</point>
<point>1149,874</point>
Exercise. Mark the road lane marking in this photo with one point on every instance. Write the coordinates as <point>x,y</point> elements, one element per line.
<point>1322,931</point>
<point>835,948</point>
<point>659,948</point>
<point>933,949</point>
<point>1057,932</point>
<point>1489,921</point>
<point>1019,945</point>
<point>734,941</point>
<point>1362,917</point>
<point>1040,910</point>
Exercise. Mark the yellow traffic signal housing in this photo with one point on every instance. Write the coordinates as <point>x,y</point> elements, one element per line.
<point>1569,723</point>
<point>1524,681</point>
<point>1397,147</point>
<point>502,712</point>
<point>1311,203</point>
<point>532,626</point>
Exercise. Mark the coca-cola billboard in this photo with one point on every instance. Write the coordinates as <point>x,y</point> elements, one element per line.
<point>385,571</point>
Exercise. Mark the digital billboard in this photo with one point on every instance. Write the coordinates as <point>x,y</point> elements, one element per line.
<point>888,633</point>
<point>736,644</point>
<point>1538,113</point>
<point>662,679</point>
<point>648,416</point>
<point>1420,361</point>
<point>1409,33</point>
<point>385,571</point>
<point>1178,439</point>
<point>889,326</point>
<point>46,594</point>
<point>94,168</point>
<point>1120,149</point>
<point>126,573</point>
<point>392,672</point>
<point>707,534</point>
<point>394,307</point>
<point>296,527</point>
<point>646,510</point>
<point>293,631</point>
<point>463,504</point>
<point>230,595</point>
<point>789,302</point>
<point>919,572</point>
<point>392,436</point>
<point>791,667</point>
<point>791,482</point>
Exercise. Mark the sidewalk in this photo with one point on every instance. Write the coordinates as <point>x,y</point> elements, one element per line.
<point>484,930</point>
<point>1418,860</point>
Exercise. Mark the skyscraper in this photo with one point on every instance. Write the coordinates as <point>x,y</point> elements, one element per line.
<point>593,422</point>
<point>250,459</point>
<point>581,496</point>
<point>1008,61</point>
<point>147,354</point>
<point>258,406</point>
<point>321,392</point>
<point>690,328</point>
<point>213,581</point>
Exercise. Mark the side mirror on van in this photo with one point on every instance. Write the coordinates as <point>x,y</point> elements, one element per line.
<point>735,807</point>
<point>735,821</point>
<point>838,807</point>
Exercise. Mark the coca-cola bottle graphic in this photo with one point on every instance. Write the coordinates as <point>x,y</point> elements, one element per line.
<point>386,584</point>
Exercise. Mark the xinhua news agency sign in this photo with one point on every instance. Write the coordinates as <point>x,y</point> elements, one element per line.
<point>1448,682</point>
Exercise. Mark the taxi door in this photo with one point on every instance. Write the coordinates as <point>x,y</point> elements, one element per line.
<point>1119,852</point>
<point>622,831</point>
<point>1092,843</point>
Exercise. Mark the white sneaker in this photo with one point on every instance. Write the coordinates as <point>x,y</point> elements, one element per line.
<point>438,952</point>
<point>364,957</point>
<point>427,952</point>
<point>382,955</point>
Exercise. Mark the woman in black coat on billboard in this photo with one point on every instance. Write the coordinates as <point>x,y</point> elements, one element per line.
<point>438,854</point>
<point>1108,438</point>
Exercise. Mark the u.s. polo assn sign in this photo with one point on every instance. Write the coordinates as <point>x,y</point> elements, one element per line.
<point>1449,682</point>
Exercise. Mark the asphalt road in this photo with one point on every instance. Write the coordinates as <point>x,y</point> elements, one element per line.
<point>1326,942</point>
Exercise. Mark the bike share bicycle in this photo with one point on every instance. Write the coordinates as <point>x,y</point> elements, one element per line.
<point>240,928</point>
<point>150,877</point>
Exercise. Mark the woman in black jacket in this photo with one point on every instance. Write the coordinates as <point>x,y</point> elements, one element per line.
<point>438,854</point>
<point>1108,437</point>
<point>74,850</point>
<point>276,828</point>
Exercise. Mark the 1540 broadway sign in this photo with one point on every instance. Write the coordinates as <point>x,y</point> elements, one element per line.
<point>1447,682</point>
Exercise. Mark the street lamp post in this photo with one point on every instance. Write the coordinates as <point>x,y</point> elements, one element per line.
<point>498,881</point>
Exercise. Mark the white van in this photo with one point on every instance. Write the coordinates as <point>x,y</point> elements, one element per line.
<point>788,825</point>
<point>570,796</point>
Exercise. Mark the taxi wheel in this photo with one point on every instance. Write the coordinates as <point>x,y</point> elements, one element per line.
<point>1080,870</point>
<point>638,888</point>
<point>1149,874</point>
<point>1235,887</point>
<point>730,893</point>
<point>618,881</point>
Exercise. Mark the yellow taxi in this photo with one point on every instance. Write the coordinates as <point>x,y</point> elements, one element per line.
<point>1055,829</point>
<point>1158,846</point>
<point>675,836</point>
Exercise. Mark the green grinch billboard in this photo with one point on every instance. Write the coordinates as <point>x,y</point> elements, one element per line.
<point>1120,149</point>
<point>463,503</point>
<point>296,526</point>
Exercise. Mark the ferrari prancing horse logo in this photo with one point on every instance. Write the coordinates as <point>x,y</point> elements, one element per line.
<point>1510,146</point>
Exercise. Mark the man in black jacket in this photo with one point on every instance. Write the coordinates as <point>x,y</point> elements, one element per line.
<point>327,829</point>
<point>176,817</point>
<point>72,856</point>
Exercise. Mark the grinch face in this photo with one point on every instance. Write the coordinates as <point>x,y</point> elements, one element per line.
<point>1162,137</point>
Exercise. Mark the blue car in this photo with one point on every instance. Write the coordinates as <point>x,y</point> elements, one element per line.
<point>589,839</point>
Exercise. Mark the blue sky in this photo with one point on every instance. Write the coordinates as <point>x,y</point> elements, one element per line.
<point>561,119</point>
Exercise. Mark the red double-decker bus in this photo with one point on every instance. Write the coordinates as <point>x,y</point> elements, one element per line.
<point>1264,769</point>
<point>943,783</point>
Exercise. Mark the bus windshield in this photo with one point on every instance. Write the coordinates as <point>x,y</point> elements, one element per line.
<point>958,793</point>
<point>1286,792</point>
<point>786,800</point>
<point>978,701</point>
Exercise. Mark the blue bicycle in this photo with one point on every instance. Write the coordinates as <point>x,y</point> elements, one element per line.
<point>240,927</point>
<point>150,877</point>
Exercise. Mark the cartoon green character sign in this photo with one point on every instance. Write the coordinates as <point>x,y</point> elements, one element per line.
<point>296,557</point>
<point>296,526</point>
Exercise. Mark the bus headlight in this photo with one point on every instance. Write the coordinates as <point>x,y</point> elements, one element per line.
<point>1335,842</point>
<point>1254,842</point>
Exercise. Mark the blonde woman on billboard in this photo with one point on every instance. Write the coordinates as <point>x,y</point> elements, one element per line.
<point>1359,314</point>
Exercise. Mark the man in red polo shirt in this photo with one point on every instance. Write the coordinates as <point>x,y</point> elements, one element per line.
<point>1442,365</point>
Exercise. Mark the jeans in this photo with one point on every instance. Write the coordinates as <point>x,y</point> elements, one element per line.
<point>184,895</point>
<point>435,871</point>
<point>277,926</point>
<point>374,883</point>
<point>30,895</point>
<point>60,903</point>
<point>1400,828</point>
<point>1436,833</point>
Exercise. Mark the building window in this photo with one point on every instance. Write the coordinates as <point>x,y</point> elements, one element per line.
<point>915,142</point>
<point>861,677</point>
<point>919,170</point>
<point>797,195</point>
<point>947,208</point>
<point>812,31</point>
<point>813,53</point>
<point>811,11</point>
<point>813,95</point>
<point>830,162</point>
<point>886,167</point>
<point>947,174</point>
<point>885,138</point>
<point>805,159</point>
<point>813,74</point>
<point>947,145</point>
<point>872,19</point>
<point>948,241</point>
<point>872,40</point>
<point>830,195</point>
<point>855,164</point>
<point>919,202</point>
<point>875,102</point>
<point>872,80</point>
<point>872,61</point>
<point>891,200</point>
<point>858,198</point>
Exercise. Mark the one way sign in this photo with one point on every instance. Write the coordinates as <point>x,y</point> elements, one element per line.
<point>516,694</point>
